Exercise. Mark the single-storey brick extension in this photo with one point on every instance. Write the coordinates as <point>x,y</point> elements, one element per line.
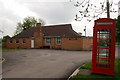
<point>55,36</point>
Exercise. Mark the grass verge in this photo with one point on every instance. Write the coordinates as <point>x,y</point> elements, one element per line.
<point>117,44</point>
<point>98,76</point>
<point>5,49</point>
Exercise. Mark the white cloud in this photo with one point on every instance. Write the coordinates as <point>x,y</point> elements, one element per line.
<point>31,1</point>
<point>18,9</point>
<point>79,26</point>
<point>119,8</point>
<point>52,11</point>
<point>12,13</point>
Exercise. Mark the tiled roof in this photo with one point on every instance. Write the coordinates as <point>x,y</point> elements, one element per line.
<point>64,30</point>
<point>25,34</point>
<point>59,30</point>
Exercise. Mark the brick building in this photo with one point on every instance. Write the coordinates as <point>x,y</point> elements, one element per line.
<point>56,37</point>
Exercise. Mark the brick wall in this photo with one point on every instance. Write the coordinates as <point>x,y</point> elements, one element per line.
<point>72,43</point>
<point>87,43</point>
<point>20,44</point>
<point>77,43</point>
<point>53,43</point>
<point>67,43</point>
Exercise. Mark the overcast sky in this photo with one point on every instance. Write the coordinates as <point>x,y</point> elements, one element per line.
<point>51,11</point>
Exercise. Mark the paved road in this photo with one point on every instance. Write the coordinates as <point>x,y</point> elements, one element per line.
<point>42,63</point>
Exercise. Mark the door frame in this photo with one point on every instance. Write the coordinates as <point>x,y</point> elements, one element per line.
<point>32,44</point>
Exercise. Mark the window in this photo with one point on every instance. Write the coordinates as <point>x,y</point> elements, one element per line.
<point>58,40</point>
<point>48,40</point>
<point>17,41</point>
<point>24,41</point>
<point>11,41</point>
<point>103,47</point>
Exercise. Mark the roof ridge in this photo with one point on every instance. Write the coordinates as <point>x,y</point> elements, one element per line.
<point>57,25</point>
<point>71,29</point>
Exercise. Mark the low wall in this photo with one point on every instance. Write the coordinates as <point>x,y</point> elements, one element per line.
<point>81,43</point>
<point>71,43</point>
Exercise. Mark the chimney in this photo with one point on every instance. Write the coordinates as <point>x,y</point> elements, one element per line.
<point>38,36</point>
<point>38,24</point>
<point>37,30</point>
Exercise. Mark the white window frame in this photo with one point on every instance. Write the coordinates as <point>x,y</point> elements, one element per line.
<point>48,40</point>
<point>58,40</point>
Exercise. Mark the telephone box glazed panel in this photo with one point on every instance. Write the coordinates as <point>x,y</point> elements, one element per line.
<point>103,54</point>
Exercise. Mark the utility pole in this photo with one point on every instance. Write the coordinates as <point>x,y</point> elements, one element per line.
<point>108,9</point>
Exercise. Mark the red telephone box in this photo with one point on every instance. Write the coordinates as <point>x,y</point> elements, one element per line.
<point>103,54</point>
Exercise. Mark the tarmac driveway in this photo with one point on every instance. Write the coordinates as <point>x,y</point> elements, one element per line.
<point>42,63</point>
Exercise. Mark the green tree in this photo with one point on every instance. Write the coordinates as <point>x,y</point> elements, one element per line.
<point>5,37</point>
<point>118,29</point>
<point>27,23</point>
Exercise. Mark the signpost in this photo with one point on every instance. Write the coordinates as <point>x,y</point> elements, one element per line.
<point>103,54</point>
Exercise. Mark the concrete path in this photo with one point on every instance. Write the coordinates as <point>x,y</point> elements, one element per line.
<point>42,63</point>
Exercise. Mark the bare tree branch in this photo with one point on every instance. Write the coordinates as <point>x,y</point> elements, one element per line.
<point>91,10</point>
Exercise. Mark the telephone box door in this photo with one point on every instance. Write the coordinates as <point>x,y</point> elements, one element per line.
<point>103,54</point>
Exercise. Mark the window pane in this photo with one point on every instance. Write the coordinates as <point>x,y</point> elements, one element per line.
<point>24,41</point>
<point>10,41</point>
<point>17,41</point>
<point>103,47</point>
<point>48,40</point>
<point>58,40</point>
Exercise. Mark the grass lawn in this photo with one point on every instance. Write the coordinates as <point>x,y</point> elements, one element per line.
<point>98,76</point>
<point>117,44</point>
<point>5,49</point>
